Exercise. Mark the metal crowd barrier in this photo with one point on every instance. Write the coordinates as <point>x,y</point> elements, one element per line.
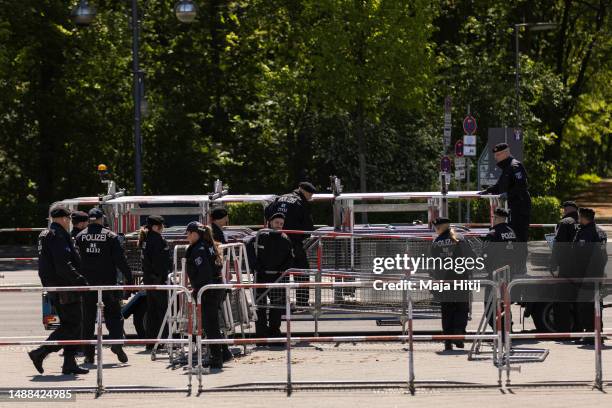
<point>597,334</point>
<point>410,337</point>
<point>99,342</point>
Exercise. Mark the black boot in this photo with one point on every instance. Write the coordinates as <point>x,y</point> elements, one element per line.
<point>215,360</point>
<point>37,356</point>
<point>71,367</point>
<point>227,354</point>
<point>118,350</point>
<point>448,345</point>
<point>459,344</point>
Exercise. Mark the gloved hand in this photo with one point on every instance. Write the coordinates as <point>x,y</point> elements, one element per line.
<point>81,281</point>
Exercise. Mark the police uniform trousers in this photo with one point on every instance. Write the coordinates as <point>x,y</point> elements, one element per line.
<point>300,261</point>
<point>455,307</point>
<point>69,308</point>
<point>113,318</point>
<point>269,316</point>
<point>157,304</point>
<point>211,302</point>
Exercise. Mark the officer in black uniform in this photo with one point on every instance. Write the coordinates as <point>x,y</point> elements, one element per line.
<point>218,220</point>
<point>590,258</point>
<point>80,220</point>
<point>273,255</point>
<point>498,249</point>
<point>101,257</point>
<point>455,303</point>
<point>58,265</point>
<point>564,311</point>
<point>513,185</point>
<point>203,267</point>
<point>296,208</point>
<point>156,260</point>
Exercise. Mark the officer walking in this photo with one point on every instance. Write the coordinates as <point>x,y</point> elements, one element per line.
<point>101,257</point>
<point>455,304</point>
<point>273,253</point>
<point>58,265</point>
<point>590,258</point>
<point>218,220</point>
<point>203,267</point>
<point>498,249</point>
<point>295,206</point>
<point>562,258</point>
<point>79,222</point>
<point>156,265</point>
<point>513,185</point>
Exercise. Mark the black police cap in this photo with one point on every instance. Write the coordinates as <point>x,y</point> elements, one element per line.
<point>194,226</point>
<point>79,216</point>
<point>441,220</point>
<point>502,212</point>
<point>569,204</point>
<point>58,210</point>
<point>308,187</point>
<point>276,215</point>
<point>155,220</point>
<point>499,147</point>
<point>218,213</point>
<point>587,213</point>
<point>95,214</point>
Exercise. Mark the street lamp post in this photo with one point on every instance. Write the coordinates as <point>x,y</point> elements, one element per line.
<point>517,69</point>
<point>83,15</point>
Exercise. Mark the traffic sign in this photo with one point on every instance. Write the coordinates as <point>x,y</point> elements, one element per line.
<point>469,125</point>
<point>460,174</point>
<point>445,164</point>
<point>469,140</point>
<point>518,134</point>
<point>459,162</point>
<point>447,104</point>
<point>458,148</point>
<point>469,150</point>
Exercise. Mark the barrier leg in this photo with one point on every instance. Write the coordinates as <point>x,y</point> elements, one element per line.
<point>598,365</point>
<point>288,320</point>
<point>507,326</point>
<point>99,378</point>
<point>199,343</point>
<point>410,349</point>
<point>191,312</point>
<point>499,343</point>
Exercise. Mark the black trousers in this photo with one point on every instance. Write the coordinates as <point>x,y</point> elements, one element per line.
<point>112,317</point>
<point>454,317</point>
<point>157,304</point>
<point>211,302</point>
<point>301,262</point>
<point>269,317</point>
<point>70,328</point>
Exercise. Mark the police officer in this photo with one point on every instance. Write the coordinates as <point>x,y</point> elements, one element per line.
<point>156,261</point>
<point>498,249</point>
<point>203,267</point>
<point>58,265</point>
<point>455,303</point>
<point>513,185</point>
<point>79,222</point>
<point>273,256</point>
<point>296,208</point>
<point>562,258</point>
<point>101,257</point>
<point>218,220</point>
<point>590,258</point>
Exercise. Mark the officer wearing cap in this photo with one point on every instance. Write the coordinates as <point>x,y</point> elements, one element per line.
<point>218,220</point>
<point>79,222</point>
<point>156,260</point>
<point>513,184</point>
<point>564,309</point>
<point>590,258</point>
<point>58,264</point>
<point>455,304</point>
<point>204,264</point>
<point>498,249</point>
<point>101,257</point>
<point>295,206</point>
<point>271,253</point>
